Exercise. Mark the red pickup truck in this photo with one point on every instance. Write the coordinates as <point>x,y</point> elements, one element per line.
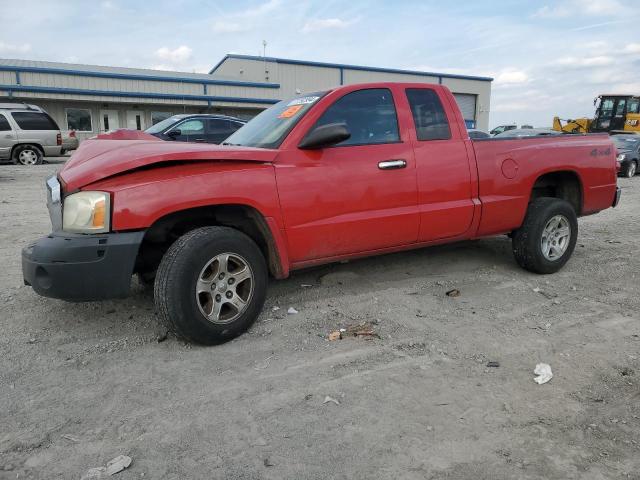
<point>355,171</point>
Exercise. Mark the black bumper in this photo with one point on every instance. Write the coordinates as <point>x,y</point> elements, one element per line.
<point>78,267</point>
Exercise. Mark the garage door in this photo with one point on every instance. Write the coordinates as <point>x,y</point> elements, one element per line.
<point>467,104</point>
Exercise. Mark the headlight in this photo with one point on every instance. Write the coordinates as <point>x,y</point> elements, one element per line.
<point>86,212</point>
<point>621,157</point>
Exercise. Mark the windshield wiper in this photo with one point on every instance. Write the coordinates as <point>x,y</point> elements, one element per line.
<point>231,144</point>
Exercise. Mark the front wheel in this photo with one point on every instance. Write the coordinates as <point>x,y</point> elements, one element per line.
<point>547,237</point>
<point>632,168</point>
<point>211,285</point>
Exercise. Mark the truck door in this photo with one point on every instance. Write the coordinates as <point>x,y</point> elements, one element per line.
<point>357,196</point>
<point>442,167</point>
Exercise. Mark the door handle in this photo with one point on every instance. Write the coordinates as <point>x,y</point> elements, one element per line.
<point>392,164</point>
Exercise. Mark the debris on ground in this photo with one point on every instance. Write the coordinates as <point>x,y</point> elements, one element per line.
<point>94,473</point>
<point>71,438</point>
<point>453,293</point>
<point>306,285</point>
<point>292,311</point>
<point>335,335</point>
<point>161,337</point>
<point>363,329</point>
<point>493,364</point>
<point>543,370</point>
<point>118,464</point>
<point>268,463</point>
<point>329,399</point>
<point>275,308</point>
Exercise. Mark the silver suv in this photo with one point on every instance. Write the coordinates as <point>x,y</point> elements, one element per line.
<point>27,134</point>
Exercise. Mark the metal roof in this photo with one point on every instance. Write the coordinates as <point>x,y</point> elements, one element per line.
<point>290,61</point>
<point>123,73</point>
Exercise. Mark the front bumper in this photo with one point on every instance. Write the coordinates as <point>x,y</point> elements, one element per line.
<point>78,267</point>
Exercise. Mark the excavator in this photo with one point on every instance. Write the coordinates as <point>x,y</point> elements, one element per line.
<point>614,113</point>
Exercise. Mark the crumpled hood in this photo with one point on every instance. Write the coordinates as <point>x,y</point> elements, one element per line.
<point>108,154</point>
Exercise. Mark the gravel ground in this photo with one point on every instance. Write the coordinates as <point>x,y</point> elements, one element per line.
<point>83,383</point>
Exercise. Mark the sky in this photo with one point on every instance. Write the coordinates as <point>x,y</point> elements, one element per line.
<point>546,57</point>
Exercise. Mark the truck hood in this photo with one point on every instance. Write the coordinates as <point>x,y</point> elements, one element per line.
<point>108,155</point>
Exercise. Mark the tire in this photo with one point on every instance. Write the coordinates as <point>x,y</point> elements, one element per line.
<point>529,240</point>
<point>196,259</point>
<point>27,155</point>
<point>632,169</point>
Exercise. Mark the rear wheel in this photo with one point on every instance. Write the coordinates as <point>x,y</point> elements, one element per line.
<point>547,237</point>
<point>632,169</point>
<point>27,155</point>
<point>211,285</point>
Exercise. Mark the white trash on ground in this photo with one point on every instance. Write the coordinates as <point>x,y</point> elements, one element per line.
<point>543,370</point>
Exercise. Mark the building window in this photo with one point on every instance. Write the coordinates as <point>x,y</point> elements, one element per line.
<point>157,117</point>
<point>79,119</point>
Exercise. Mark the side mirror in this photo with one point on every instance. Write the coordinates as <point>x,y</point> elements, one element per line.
<point>325,136</point>
<point>176,132</point>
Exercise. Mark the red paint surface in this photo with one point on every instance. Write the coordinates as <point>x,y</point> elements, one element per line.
<point>335,203</point>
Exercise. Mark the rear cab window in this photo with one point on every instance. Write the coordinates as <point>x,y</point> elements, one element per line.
<point>369,115</point>
<point>429,117</point>
<point>34,121</point>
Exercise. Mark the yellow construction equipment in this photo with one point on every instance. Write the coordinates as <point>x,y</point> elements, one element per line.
<point>579,125</point>
<point>613,113</point>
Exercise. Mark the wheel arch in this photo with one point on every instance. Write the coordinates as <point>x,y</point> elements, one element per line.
<point>263,230</point>
<point>564,184</point>
<point>22,144</point>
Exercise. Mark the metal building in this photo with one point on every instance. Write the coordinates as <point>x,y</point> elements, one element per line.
<point>472,93</point>
<point>92,99</point>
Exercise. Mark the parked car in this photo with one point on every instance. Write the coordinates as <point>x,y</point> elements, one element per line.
<point>628,146</point>
<point>69,141</point>
<point>475,134</point>
<point>27,134</point>
<point>502,128</point>
<point>202,128</point>
<point>315,179</point>
<point>527,132</point>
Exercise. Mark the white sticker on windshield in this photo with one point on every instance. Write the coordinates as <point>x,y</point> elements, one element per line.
<point>302,101</point>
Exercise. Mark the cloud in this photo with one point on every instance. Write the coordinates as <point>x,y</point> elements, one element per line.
<point>180,54</point>
<point>575,62</point>
<point>229,27</point>
<point>511,76</point>
<point>630,88</point>
<point>325,23</point>
<point>244,20</point>
<point>14,48</point>
<point>571,8</point>
<point>632,48</point>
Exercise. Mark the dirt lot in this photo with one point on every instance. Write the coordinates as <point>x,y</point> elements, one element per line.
<point>417,403</point>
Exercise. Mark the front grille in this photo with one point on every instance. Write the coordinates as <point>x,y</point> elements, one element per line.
<point>54,203</point>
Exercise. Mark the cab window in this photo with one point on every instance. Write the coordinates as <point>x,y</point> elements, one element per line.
<point>370,117</point>
<point>429,116</point>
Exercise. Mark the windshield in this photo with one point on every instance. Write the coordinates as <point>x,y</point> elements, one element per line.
<point>270,127</point>
<point>164,124</point>
<point>626,142</point>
